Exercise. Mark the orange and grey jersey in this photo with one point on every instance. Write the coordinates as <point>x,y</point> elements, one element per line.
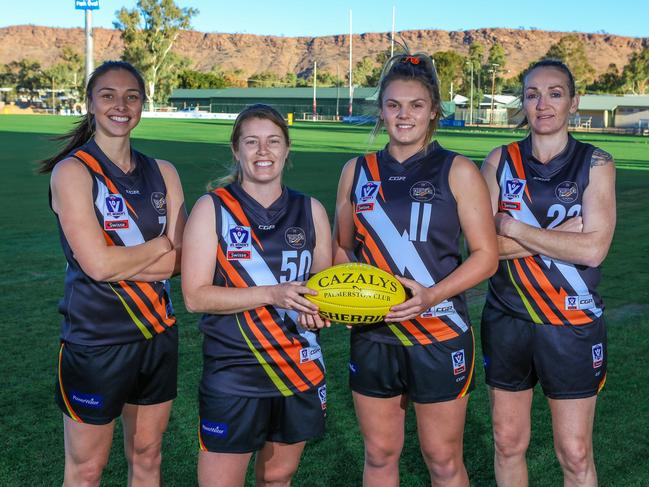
<point>131,209</point>
<point>539,288</point>
<point>261,352</point>
<point>406,223</point>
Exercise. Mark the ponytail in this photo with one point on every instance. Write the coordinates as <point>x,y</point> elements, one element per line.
<point>79,135</point>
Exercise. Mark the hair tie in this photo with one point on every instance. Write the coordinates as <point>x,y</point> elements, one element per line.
<point>411,59</point>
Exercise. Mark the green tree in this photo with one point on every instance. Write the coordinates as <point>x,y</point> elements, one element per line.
<point>265,79</point>
<point>73,62</point>
<point>149,32</point>
<point>496,61</point>
<point>28,75</point>
<point>610,81</point>
<point>364,73</point>
<point>636,72</point>
<point>475,60</point>
<point>450,69</point>
<point>570,49</point>
<point>55,78</point>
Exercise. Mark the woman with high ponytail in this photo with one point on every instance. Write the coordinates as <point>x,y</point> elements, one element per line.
<point>121,217</point>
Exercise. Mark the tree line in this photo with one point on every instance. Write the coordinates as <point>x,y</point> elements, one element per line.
<point>150,29</point>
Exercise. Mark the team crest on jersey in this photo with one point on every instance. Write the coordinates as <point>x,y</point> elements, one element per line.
<point>512,194</point>
<point>444,308</point>
<point>322,394</point>
<point>598,355</point>
<point>422,191</point>
<point>295,237</point>
<point>239,247</point>
<point>459,362</point>
<point>584,301</point>
<point>115,215</point>
<point>567,192</point>
<point>368,196</point>
<point>159,202</point>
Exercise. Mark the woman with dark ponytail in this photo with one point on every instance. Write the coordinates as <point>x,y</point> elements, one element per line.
<point>554,203</point>
<point>121,216</point>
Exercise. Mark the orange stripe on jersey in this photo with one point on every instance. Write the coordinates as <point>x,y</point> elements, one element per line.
<point>371,246</point>
<point>275,355</point>
<point>94,165</point>
<point>468,380</point>
<point>309,369</point>
<point>553,318</point>
<point>108,240</point>
<point>68,406</point>
<point>574,317</point>
<point>515,153</point>
<point>438,328</point>
<point>234,206</point>
<point>373,166</point>
<point>146,313</point>
<point>416,333</point>
<point>156,301</point>
<point>230,271</point>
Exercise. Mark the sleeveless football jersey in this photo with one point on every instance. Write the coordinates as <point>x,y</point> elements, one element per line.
<point>261,352</point>
<point>131,209</point>
<point>539,288</point>
<point>406,223</point>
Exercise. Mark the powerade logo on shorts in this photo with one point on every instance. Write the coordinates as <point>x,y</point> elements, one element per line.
<point>598,355</point>
<point>567,192</point>
<point>322,394</point>
<point>459,364</point>
<point>115,213</point>
<point>92,401</point>
<point>220,430</point>
<point>239,243</point>
<point>353,368</point>
<point>368,196</point>
<point>512,195</point>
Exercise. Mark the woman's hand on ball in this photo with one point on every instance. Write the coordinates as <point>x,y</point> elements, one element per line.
<point>420,301</point>
<point>289,295</point>
<point>313,322</point>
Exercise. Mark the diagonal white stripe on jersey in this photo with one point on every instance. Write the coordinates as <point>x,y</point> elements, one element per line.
<point>566,269</point>
<point>131,235</point>
<point>399,247</point>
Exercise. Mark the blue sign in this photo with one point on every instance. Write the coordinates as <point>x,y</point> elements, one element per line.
<point>86,4</point>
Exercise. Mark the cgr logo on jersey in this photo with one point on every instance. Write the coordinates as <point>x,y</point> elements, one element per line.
<point>512,195</point>
<point>322,394</point>
<point>444,308</point>
<point>567,192</point>
<point>220,430</point>
<point>115,217</point>
<point>459,363</point>
<point>422,191</point>
<point>368,196</point>
<point>308,354</point>
<point>239,243</point>
<point>584,301</point>
<point>295,237</point>
<point>159,202</point>
<point>598,355</point>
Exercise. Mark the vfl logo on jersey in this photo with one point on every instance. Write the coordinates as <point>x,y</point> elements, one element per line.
<point>308,354</point>
<point>567,192</point>
<point>115,217</point>
<point>220,430</point>
<point>444,308</point>
<point>295,237</point>
<point>239,243</point>
<point>159,202</point>
<point>322,394</point>
<point>368,196</point>
<point>598,355</point>
<point>585,301</point>
<point>512,195</point>
<point>459,362</point>
<point>422,191</point>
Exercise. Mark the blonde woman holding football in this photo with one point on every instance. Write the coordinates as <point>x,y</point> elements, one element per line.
<point>403,209</point>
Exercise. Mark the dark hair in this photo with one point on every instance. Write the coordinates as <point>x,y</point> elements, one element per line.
<point>258,110</point>
<point>418,67</point>
<point>548,63</point>
<point>85,127</point>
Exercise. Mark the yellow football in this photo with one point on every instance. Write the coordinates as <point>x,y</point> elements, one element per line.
<point>355,293</point>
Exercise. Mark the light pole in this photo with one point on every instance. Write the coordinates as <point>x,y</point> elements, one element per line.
<point>471,97</point>
<point>493,90</point>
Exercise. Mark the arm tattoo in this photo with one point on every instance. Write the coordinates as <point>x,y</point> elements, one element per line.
<point>600,158</point>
